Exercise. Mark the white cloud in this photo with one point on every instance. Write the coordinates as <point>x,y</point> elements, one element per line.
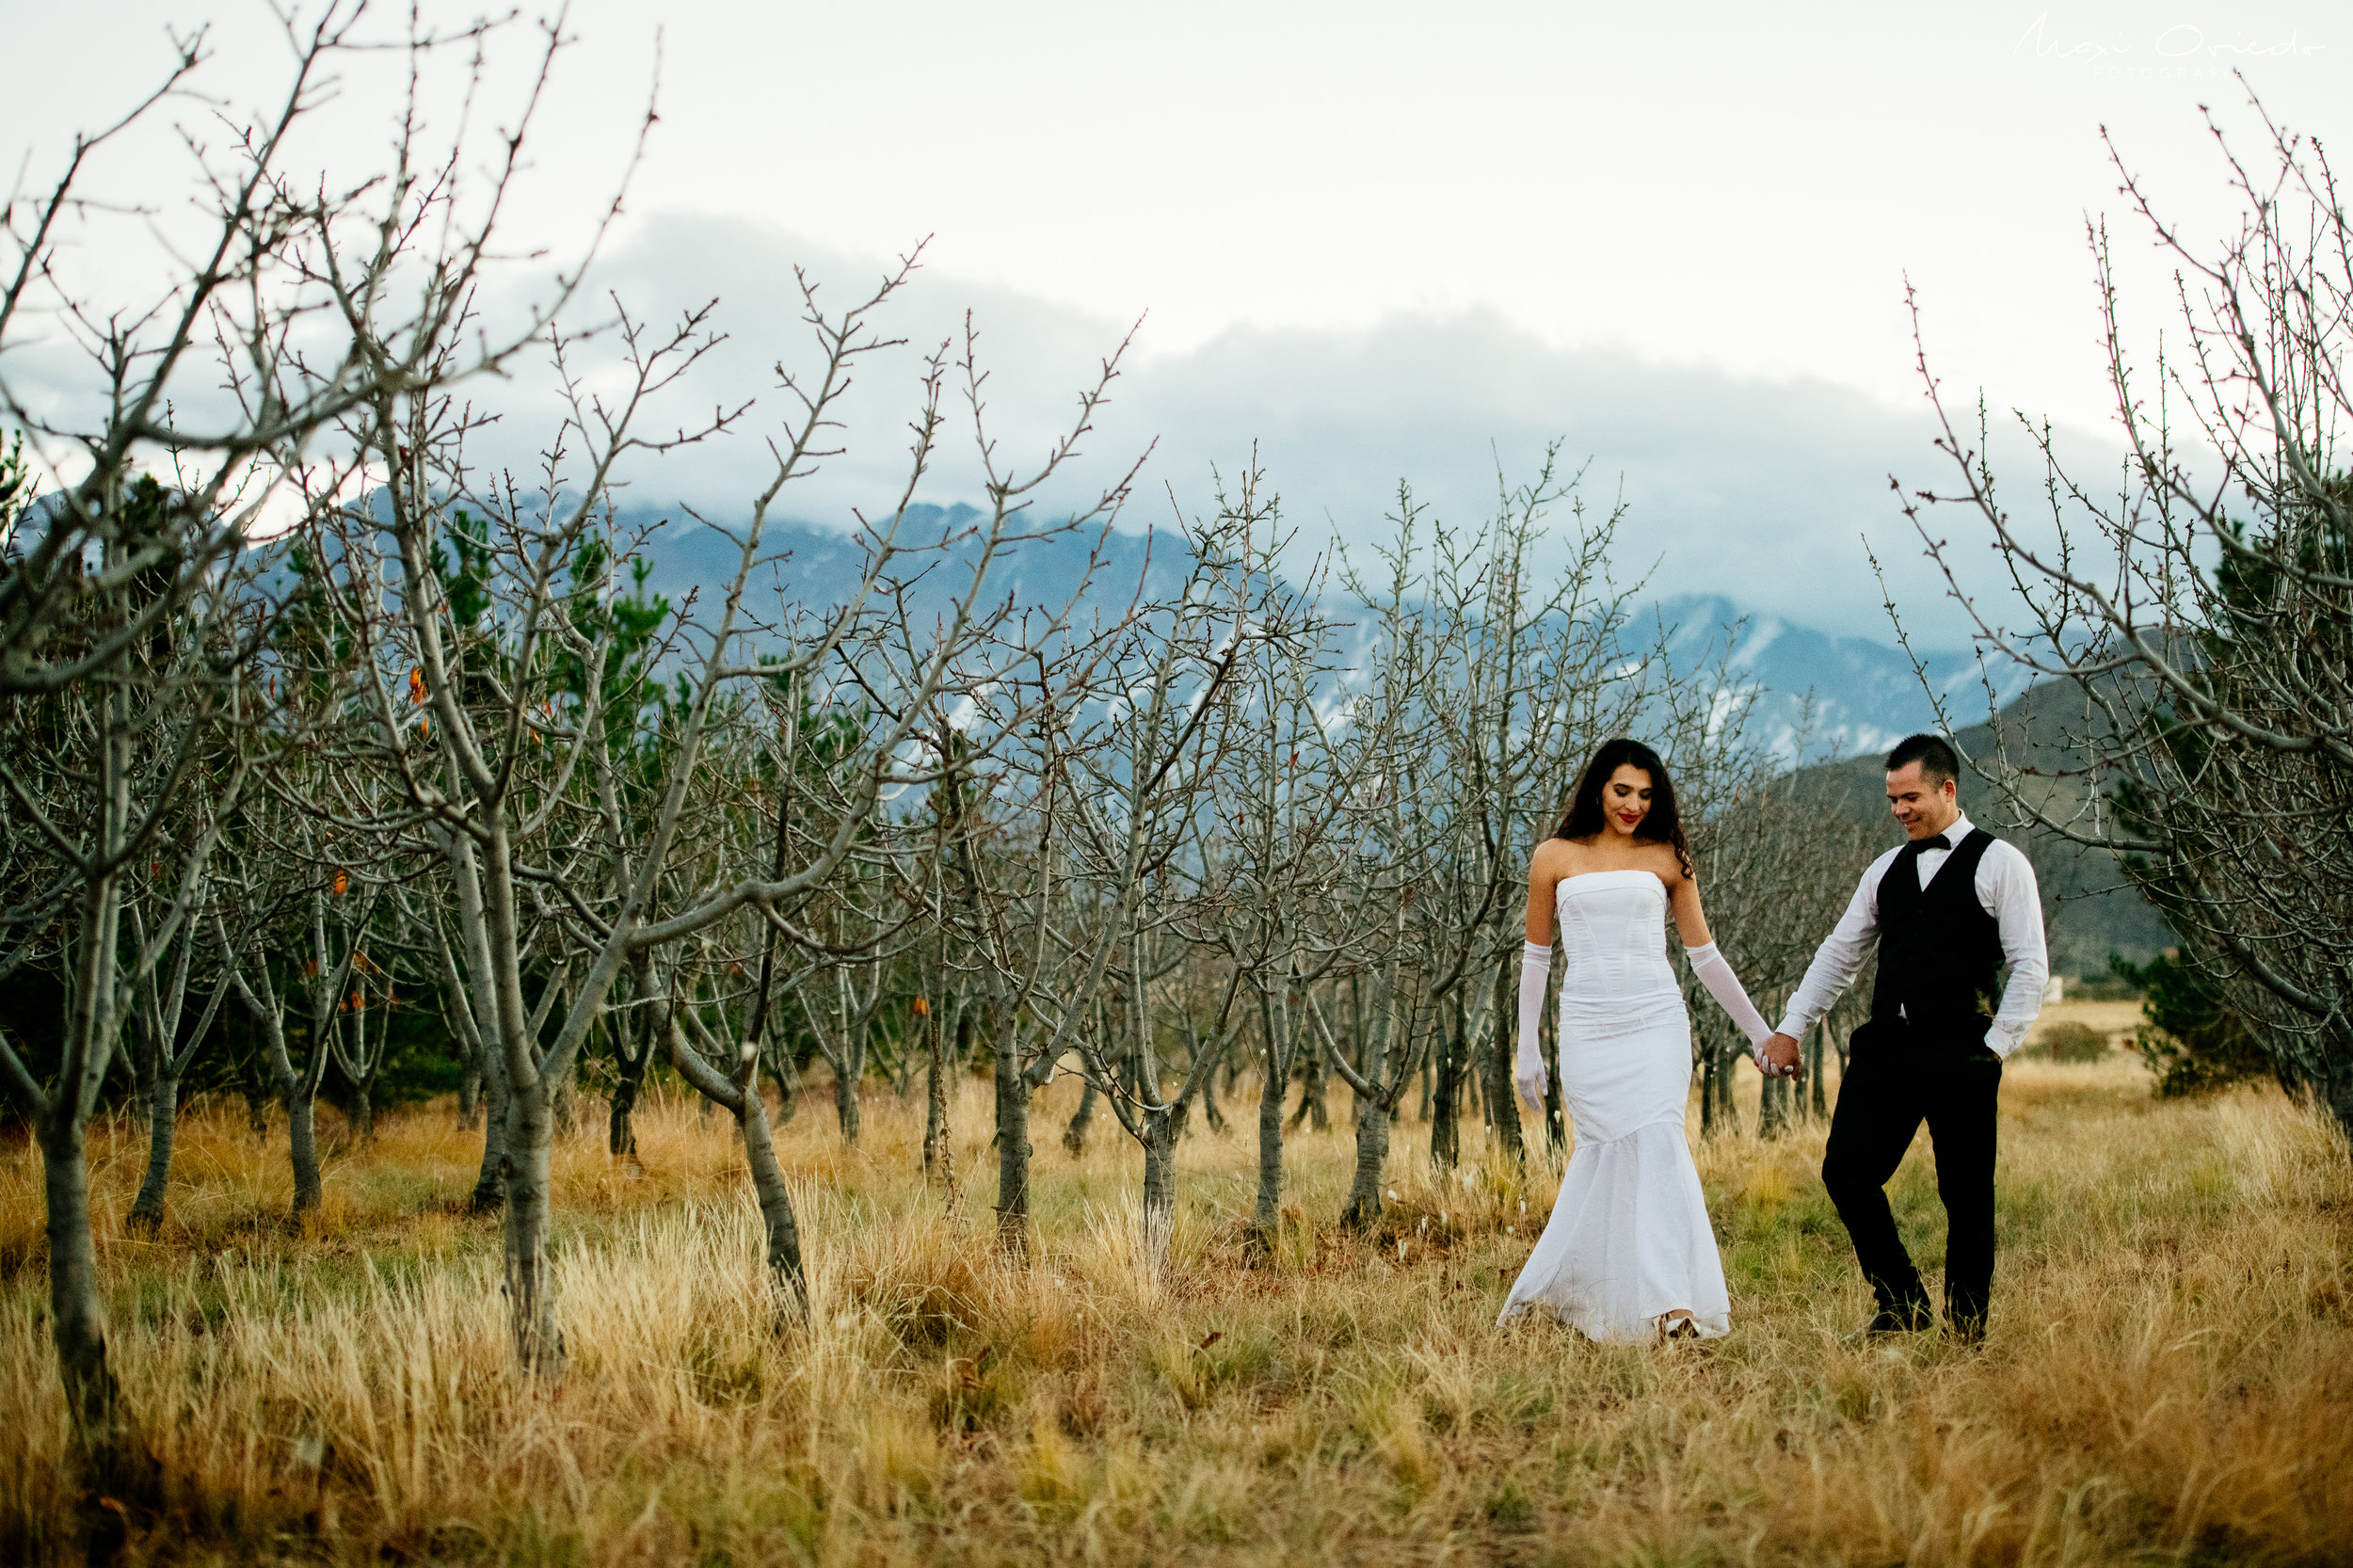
<point>1762,490</point>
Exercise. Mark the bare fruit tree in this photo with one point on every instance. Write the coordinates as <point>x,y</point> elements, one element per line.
<point>164,1043</point>
<point>295,302</point>
<point>1504,676</point>
<point>2203,614</point>
<point>119,789</point>
<point>1100,793</point>
<point>1274,848</point>
<point>571,779</point>
<point>304,924</point>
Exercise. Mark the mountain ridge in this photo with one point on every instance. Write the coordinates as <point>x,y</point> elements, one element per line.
<point>1819,693</point>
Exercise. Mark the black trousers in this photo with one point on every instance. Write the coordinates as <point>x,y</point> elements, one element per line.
<point>1898,1076</point>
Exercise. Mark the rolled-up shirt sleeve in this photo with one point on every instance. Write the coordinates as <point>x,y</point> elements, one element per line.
<point>1842,954</point>
<point>2006,889</point>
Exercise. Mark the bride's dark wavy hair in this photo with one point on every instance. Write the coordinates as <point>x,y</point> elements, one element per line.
<point>1664,825</point>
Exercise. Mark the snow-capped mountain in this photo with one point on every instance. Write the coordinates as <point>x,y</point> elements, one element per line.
<point>1821,693</point>
<point>1829,692</point>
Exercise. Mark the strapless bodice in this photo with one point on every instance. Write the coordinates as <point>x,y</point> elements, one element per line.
<point>1613,930</point>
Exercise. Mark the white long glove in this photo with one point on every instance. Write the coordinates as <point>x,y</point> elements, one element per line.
<point>1527,1070</point>
<point>1712,970</point>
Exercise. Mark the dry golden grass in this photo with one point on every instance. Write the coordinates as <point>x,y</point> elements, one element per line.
<point>2168,1377</point>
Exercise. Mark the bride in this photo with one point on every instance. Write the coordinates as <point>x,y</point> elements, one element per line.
<point>1627,1253</point>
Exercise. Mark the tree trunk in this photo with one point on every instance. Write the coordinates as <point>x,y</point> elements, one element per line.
<point>620,1135</point>
<point>470,1095</point>
<point>846,1105</point>
<point>788,1076</point>
<point>302,1145</point>
<point>1316,1077</point>
<point>1372,1154</point>
<point>163,1119</point>
<point>257,1110</point>
<point>530,1285</point>
<point>1816,1101</point>
<point>1773,1109</point>
<point>1556,1110</point>
<point>939,1159</point>
<point>782,1231</point>
<point>1503,1101</point>
<point>1160,1131</point>
<point>560,1096</point>
<point>362,1114</point>
<point>490,1187</point>
<point>1074,1135</point>
<point>1013,1147</point>
<point>1209,1108</point>
<point>1444,1102</point>
<point>1708,1097</point>
<point>77,1313</point>
<point>1267,1222</point>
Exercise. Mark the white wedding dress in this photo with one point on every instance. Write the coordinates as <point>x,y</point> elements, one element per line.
<point>1629,1239</point>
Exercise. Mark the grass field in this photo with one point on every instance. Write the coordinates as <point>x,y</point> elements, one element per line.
<point>2167,1378</point>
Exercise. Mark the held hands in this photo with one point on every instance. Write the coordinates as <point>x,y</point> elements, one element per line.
<point>1780,1058</point>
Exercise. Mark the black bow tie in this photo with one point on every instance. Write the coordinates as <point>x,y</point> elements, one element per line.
<point>1921,846</point>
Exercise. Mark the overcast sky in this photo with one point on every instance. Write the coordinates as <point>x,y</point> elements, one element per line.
<point>1385,241</point>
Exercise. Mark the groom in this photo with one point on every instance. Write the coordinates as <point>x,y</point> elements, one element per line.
<point>1947,910</point>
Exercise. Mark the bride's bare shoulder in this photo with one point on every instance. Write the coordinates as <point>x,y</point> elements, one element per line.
<point>1555,858</point>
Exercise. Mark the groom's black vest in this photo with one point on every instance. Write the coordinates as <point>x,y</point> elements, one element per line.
<point>1939,953</point>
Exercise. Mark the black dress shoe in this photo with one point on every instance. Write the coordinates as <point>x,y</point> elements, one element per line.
<point>1886,1322</point>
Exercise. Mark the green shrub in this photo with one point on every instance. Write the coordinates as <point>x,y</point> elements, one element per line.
<point>2193,1041</point>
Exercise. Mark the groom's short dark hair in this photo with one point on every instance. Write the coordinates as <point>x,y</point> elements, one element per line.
<point>1932,752</point>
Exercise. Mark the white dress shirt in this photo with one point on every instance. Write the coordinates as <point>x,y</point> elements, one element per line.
<point>2006,890</point>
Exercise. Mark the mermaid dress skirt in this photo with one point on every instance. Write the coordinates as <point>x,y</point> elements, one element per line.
<point>1629,1239</point>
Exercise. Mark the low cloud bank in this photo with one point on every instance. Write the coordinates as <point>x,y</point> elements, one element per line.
<point>1761,492</point>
